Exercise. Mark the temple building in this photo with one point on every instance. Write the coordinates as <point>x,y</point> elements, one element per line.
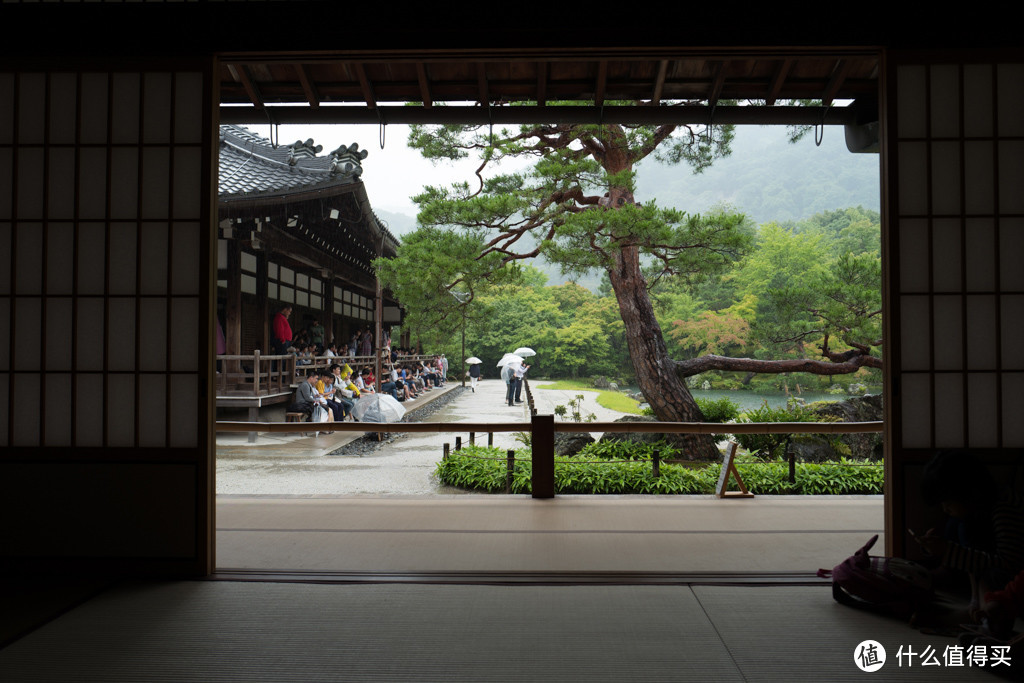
<point>295,228</point>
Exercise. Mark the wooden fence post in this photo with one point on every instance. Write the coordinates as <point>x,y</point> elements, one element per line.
<point>256,373</point>
<point>656,464</point>
<point>472,438</point>
<point>792,460</point>
<point>445,456</point>
<point>490,439</point>
<point>458,443</point>
<point>510,467</point>
<point>543,442</point>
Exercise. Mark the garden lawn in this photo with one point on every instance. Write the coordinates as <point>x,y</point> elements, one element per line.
<point>612,400</point>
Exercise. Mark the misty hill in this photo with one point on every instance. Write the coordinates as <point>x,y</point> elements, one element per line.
<point>398,223</point>
<point>770,179</point>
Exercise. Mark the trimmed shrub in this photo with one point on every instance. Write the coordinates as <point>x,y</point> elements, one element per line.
<point>483,469</point>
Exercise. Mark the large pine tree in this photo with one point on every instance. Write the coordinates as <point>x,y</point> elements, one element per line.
<point>575,205</point>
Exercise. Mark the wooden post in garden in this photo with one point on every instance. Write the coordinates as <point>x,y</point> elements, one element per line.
<point>458,443</point>
<point>729,469</point>
<point>792,460</point>
<point>543,443</point>
<point>656,464</point>
<point>472,438</point>
<point>445,456</point>
<point>510,467</point>
<point>490,439</point>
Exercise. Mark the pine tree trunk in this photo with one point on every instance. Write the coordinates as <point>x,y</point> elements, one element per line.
<point>655,372</point>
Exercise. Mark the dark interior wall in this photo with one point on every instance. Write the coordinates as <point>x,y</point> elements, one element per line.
<point>105,224</point>
<point>954,221</point>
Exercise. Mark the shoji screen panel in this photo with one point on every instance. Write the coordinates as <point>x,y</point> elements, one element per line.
<point>954,159</point>
<point>105,206</point>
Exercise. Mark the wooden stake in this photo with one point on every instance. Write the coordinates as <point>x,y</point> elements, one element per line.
<point>729,467</point>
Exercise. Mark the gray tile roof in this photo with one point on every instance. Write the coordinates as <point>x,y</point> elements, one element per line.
<point>250,165</point>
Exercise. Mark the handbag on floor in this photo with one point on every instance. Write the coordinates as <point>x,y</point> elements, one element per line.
<point>888,585</point>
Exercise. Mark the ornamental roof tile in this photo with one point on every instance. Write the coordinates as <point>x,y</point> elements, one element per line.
<point>251,165</point>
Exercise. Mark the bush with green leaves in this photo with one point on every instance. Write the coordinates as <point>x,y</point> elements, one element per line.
<point>626,450</point>
<point>715,410</point>
<point>772,446</point>
<point>718,410</point>
<point>483,469</point>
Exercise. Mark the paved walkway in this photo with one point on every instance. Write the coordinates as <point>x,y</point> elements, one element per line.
<point>296,464</point>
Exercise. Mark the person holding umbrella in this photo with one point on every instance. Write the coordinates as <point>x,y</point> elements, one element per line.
<point>518,375</point>
<point>508,375</point>
<point>474,371</point>
<point>474,376</point>
<point>520,372</point>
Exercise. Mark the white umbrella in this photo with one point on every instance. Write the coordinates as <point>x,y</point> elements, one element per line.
<point>524,352</point>
<point>378,408</point>
<point>473,360</point>
<point>509,358</point>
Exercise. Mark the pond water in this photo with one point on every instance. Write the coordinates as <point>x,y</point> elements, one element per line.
<point>747,400</point>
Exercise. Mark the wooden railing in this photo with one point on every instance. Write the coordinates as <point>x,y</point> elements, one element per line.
<point>255,374</point>
<point>258,374</point>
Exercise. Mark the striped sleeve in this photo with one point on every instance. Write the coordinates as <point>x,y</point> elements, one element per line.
<point>1008,532</point>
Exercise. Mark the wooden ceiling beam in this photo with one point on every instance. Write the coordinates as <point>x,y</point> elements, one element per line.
<point>659,82</point>
<point>483,96</point>
<point>364,84</point>
<point>835,81</point>
<point>307,86</point>
<point>601,83</point>
<point>778,80</point>
<point>628,114</point>
<point>424,83</point>
<point>716,84</point>
<point>542,84</point>
<point>250,86</point>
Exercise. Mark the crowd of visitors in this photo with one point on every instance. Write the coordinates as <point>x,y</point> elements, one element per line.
<point>330,382</point>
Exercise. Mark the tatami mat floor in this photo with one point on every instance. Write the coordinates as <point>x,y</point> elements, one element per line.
<point>251,631</point>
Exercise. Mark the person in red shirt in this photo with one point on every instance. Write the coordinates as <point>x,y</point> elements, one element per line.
<point>281,331</point>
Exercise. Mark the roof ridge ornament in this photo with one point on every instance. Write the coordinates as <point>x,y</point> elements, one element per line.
<point>303,150</point>
<point>348,159</point>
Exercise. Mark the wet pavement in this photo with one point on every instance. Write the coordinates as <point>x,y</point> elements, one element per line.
<point>403,464</point>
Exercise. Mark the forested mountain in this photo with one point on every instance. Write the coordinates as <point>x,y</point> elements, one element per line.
<point>770,179</point>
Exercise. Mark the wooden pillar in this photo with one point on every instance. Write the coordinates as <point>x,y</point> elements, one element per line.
<point>543,443</point>
<point>263,303</point>
<point>378,314</point>
<point>233,305</point>
<point>328,317</point>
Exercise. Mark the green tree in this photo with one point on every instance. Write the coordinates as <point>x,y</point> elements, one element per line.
<point>576,206</point>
